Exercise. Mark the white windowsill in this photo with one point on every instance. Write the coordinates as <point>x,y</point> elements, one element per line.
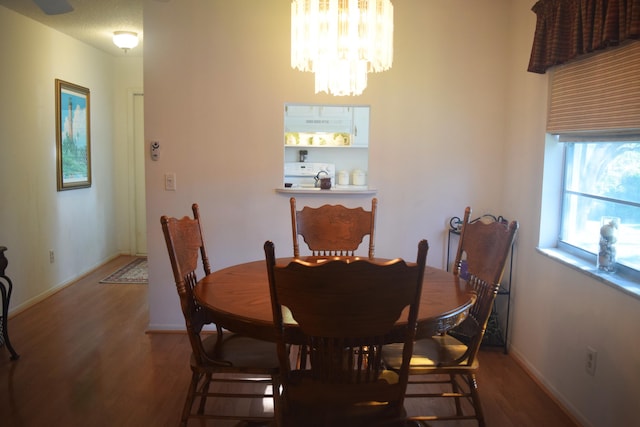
<point>614,280</point>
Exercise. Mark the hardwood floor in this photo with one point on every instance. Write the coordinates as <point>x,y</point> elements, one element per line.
<point>85,360</point>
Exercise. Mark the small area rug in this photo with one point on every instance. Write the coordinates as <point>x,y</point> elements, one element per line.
<point>134,272</point>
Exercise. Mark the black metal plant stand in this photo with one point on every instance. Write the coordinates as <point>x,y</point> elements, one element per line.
<point>5,289</point>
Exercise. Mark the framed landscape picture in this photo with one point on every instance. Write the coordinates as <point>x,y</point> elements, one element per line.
<point>73,136</point>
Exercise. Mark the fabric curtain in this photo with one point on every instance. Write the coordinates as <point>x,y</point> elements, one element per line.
<point>566,29</point>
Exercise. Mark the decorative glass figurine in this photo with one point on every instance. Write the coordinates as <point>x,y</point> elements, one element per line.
<point>608,238</point>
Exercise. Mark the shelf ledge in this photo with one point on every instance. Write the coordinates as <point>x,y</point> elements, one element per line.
<point>333,190</point>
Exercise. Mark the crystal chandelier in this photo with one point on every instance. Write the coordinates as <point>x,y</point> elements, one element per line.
<point>341,41</point>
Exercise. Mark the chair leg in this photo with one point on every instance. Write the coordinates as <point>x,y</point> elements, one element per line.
<point>301,362</point>
<point>475,397</point>
<point>455,389</point>
<point>277,400</point>
<point>191,394</point>
<point>204,391</point>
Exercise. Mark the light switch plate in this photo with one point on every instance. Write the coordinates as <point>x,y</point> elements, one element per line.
<point>170,182</point>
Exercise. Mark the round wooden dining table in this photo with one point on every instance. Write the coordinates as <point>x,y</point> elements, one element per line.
<point>238,299</point>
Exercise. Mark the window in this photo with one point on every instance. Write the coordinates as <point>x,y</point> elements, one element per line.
<point>592,169</point>
<point>602,180</point>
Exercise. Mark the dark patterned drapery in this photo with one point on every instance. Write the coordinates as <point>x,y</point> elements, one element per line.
<point>566,29</point>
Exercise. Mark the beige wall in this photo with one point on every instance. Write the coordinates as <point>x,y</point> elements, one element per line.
<point>214,99</point>
<point>80,226</point>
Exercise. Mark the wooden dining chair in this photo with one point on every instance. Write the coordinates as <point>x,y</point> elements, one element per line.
<point>484,246</point>
<point>333,230</point>
<point>344,312</point>
<point>443,360</point>
<point>483,250</point>
<point>482,253</point>
<point>220,359</point>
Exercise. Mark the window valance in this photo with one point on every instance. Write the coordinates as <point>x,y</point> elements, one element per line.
<point>598,95</point>
<point>566,29</point>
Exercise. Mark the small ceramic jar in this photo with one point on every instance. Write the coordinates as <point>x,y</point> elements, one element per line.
<point>358,177</point>
<point>343,178</point>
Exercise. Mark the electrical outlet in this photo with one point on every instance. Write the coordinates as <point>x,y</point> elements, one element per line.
<point>591,361</point>
<point>52,256</point>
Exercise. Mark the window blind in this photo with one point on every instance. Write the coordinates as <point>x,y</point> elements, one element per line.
<point>597,95</point>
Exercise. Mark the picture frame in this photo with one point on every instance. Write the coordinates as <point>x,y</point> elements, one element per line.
<point>73,136</point>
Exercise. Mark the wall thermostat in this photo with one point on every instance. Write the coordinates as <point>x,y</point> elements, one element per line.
<point>155,150</point>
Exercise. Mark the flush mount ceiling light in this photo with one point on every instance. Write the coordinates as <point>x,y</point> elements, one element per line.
<point>341,41</point>
<point>125,39</point>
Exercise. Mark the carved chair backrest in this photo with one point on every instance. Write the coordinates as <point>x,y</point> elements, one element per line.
<point>344,312</point>
<point>484,246</point>
<point>185,246</point>
<point>333,230</point>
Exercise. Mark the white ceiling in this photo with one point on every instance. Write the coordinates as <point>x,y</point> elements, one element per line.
<point>92,21</point>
